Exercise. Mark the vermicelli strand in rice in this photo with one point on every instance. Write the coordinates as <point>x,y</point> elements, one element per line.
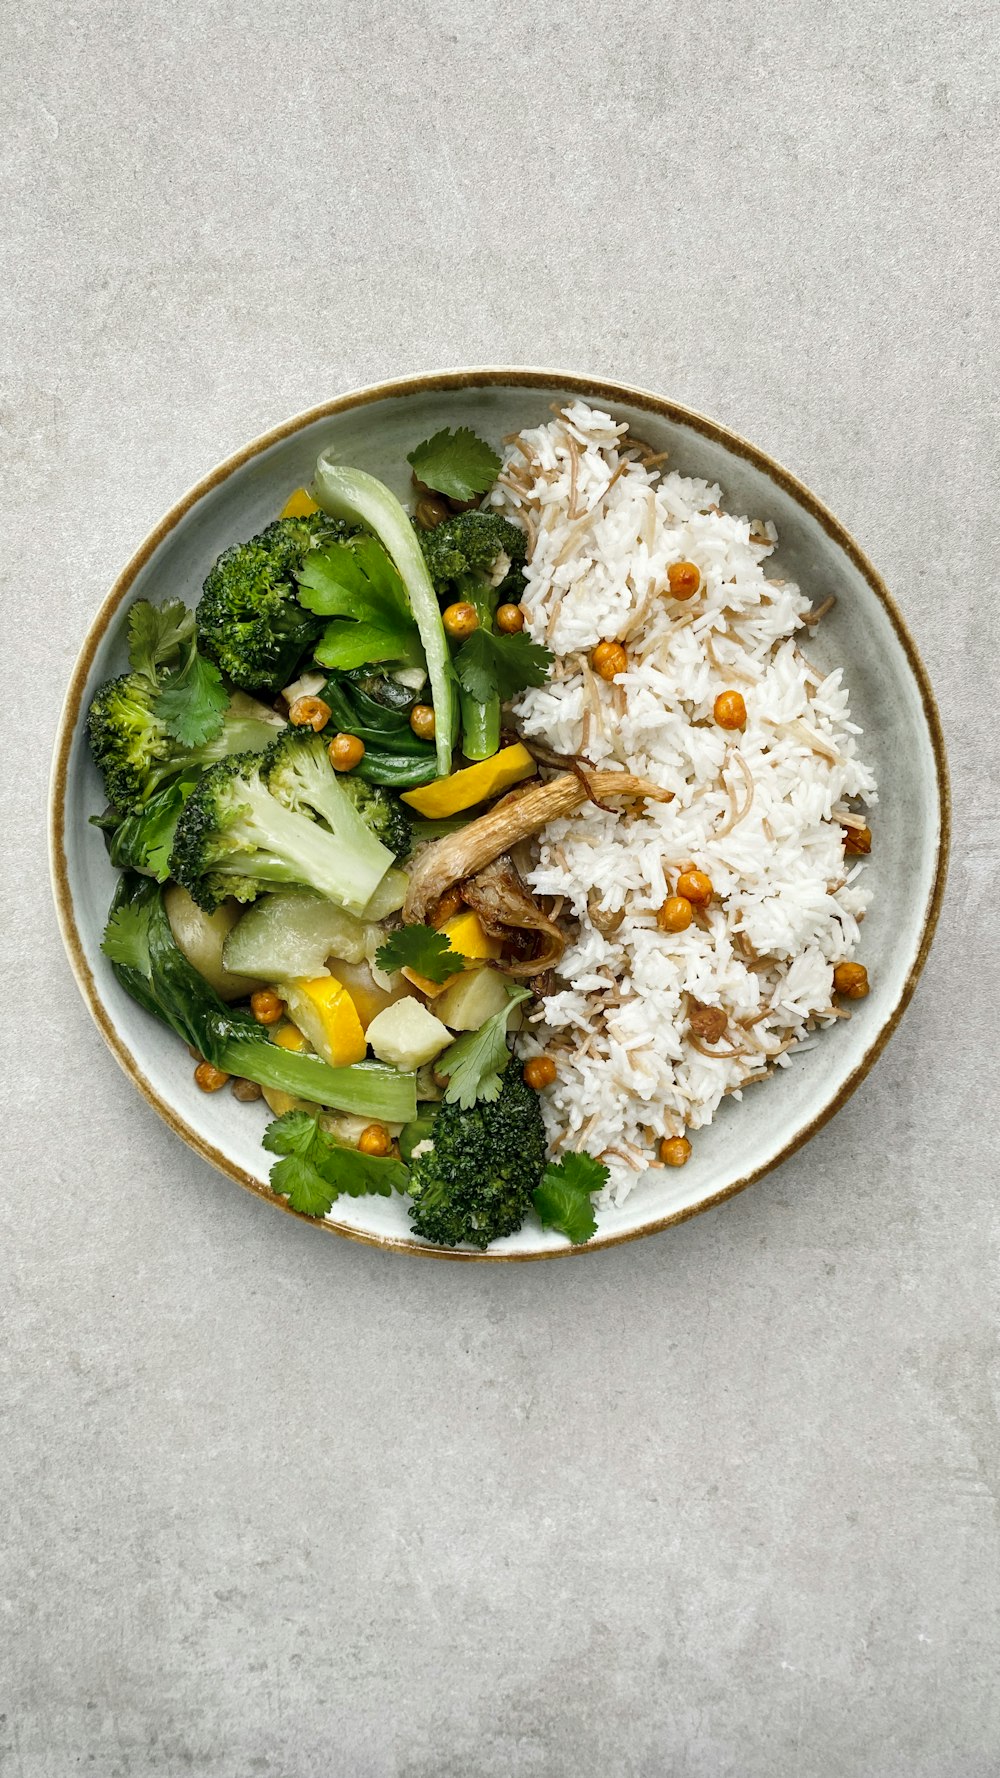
<point>758,809</point>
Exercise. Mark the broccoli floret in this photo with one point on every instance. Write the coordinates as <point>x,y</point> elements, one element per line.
<point>476,556</point>
<point>383,813</point>
<point>367,821</point>
<point>249,618</point>
<point>277,818</point>
<point>131,748</point>
<point>136,754</point>
<point>474,1184</point>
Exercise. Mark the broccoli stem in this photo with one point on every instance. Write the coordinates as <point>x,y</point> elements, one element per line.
<point>353,495</point>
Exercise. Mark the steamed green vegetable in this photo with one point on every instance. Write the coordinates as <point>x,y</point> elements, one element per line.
<point>357,498</point>
<point>202,938</point>
<point>144,840</point>
<point>393,754</point>
<point>293,934</point>
<point>261,884</point>
<point>478,557</point>
<point>277,819</point>
<point>150,967</point>
<point>250,621</point>
<point>472,1177</point>
<point>382,813</point>
<point>167,717</point>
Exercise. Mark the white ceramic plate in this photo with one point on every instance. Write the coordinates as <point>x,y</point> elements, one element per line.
<point>890,696</point>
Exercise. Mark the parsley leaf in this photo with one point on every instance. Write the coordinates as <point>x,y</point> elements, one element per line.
<point>421,949</point>
<point>562,1199</point>
<point>475,1062</point>
<point>503,665</point>
<point>157,634</point>
<point>126,937</point>
<point>315,1168</point>
<point>357,584</point>
<point>455,463</point>
<point>193,701</point>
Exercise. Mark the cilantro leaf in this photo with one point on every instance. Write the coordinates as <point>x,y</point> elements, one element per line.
<point>357,585</point>
<point>126,937</point>
<point>294,1133</point>
<point>563,1197</point>
<point>193,701</point>
<point>455,463</point>
<point>475,1062</point>
<point>157,635</point>
<point>299,1180</point>
<point>503,665</point>
<point>315,1168</point>
<point>421,949</point>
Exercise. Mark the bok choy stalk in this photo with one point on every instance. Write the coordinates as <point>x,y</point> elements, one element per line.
<point>154,972</point>
<point>358,498</point>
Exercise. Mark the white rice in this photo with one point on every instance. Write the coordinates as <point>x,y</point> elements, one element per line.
<point>628,1073</point>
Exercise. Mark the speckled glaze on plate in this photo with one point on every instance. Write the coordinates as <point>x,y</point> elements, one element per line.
<point>890,697</point>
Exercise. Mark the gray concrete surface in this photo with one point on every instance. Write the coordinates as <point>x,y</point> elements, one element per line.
<point>721,1504</point>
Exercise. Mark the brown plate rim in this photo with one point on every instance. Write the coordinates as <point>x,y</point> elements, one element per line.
<point>590,388</point>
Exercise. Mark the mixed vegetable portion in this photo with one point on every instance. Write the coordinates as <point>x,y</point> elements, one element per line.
<point>309,798</point>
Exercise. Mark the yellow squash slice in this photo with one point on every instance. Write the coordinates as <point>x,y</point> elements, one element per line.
<point>325,1014</point>
<point>472,785</point>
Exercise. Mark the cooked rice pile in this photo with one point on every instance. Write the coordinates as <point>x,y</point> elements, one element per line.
<point>757,810</point>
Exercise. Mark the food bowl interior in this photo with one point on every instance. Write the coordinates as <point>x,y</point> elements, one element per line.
<point>888,699</point>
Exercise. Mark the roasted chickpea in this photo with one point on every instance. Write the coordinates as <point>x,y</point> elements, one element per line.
<point>460,620</point>
<point>539,1072</point>
<point>851,980</point>
<point>375,1139</point>
<point>267,1006</point>
<point>675,1150</point>
<point>309,713</point>
<point>607,659</point>
<point>431,510</point>
<point>247,1091</point>
<point>510,619</point>
<point>208,1078</point>
<point>346,752</point>
<point>695,886</point>
<point>858,841</point>
<point>729,710</point>
<point>684,579</point>
<point>675,915</point>
<point>423,722</point>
